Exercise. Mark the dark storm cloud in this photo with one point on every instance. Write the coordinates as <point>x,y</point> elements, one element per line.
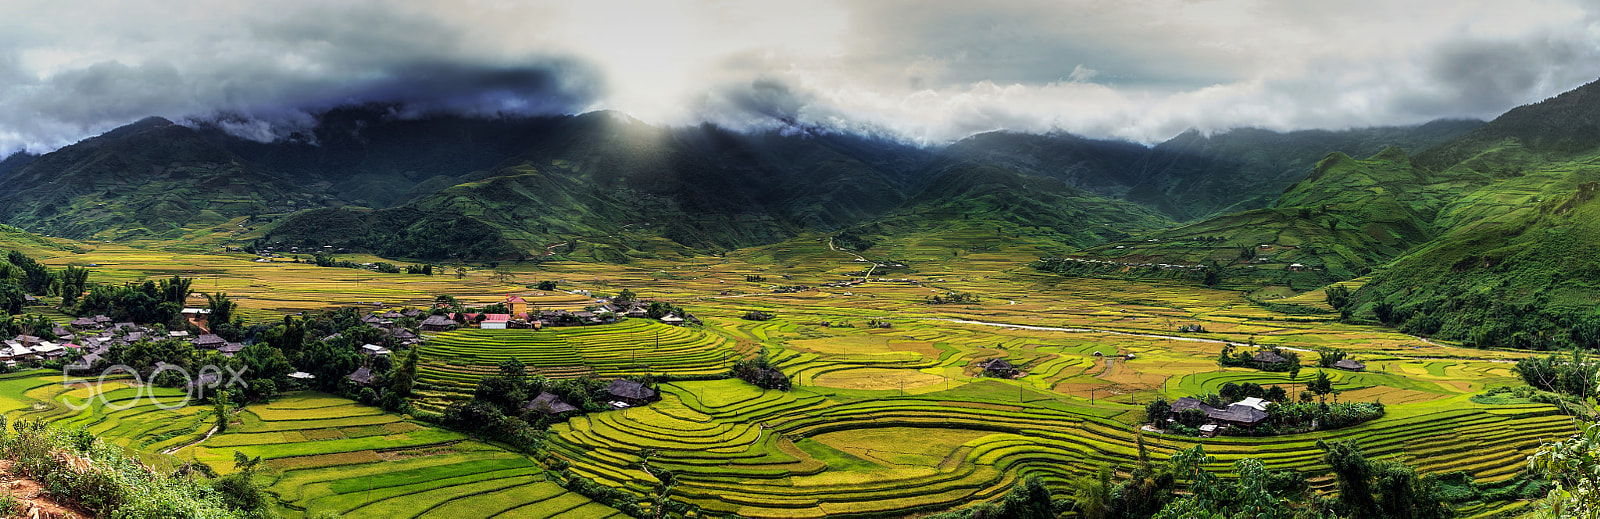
<point>929,71</point>
<point>1482,78</point>
<point>268,73</point>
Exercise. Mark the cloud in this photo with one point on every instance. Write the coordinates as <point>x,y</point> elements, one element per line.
<point>927,70</point>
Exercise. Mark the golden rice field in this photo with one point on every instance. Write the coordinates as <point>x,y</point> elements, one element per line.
<point>883,421</point>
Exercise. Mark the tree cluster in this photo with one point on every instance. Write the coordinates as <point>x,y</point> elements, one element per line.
<point>952,298</point>
<point>760,372</point>
<point>1572,374</point>
<point>1236,358</point>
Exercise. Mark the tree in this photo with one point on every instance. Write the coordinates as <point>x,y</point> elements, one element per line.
<point>1321,385</point>
<point>627,296</point>
<point>1338,296</point>
<point>1382,489</point>
<point>1353,473</point>
<point>239,490</point>
<point>1156,412</point>
<point>406,376</point>
<point>219,405</point>
<point>1329,355</point>
<point>221,309</point>
<point>74,281</point>
<point>1573,466</point>
<point>1091,496</point>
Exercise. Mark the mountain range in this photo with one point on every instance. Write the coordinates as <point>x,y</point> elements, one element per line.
<point>1465,230</point>
<point>467,188</point>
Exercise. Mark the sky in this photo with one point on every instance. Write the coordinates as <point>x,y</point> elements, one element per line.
<point>921,71</point>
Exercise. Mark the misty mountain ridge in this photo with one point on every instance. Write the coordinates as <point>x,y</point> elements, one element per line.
<point>157,180</point>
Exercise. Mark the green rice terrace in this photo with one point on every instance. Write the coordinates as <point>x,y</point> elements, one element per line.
<point>890,413</point>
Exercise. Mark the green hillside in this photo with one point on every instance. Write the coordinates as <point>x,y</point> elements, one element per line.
<point>151,179</point>
<point>1343,220</point>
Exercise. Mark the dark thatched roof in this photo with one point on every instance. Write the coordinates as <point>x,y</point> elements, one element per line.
<point>438,320</point>
<point>1236,413</point>
<point>1268,357</point>
<point>996,365</point>
<point>362,376</point>
<point>1350,365</point>
<point>630,389</point>
<point>549,404</point>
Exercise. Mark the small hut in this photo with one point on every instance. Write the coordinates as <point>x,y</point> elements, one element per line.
<point>362,376</point>
<point>548,404</point>
<point>1267,358</point>
<point>1350,365</point>
<point>998,368</point>
<point>630,392</point>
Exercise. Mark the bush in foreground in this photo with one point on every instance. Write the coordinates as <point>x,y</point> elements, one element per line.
<point>77,468</point>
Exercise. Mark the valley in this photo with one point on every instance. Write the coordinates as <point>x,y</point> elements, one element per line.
<point>880,421</point>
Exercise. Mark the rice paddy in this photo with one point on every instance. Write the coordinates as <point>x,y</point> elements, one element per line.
<point>322,453</point>
<point>882,421</point>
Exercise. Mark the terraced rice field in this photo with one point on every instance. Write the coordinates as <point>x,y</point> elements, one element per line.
<point>322,453</point>
<point>453,362</point>
<point>804,453</point>
<point>883,421</point>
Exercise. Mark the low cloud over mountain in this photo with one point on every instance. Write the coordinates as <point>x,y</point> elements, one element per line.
<point>918,71</point>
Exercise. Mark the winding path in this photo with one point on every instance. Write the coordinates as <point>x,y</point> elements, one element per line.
<point>202,439</point>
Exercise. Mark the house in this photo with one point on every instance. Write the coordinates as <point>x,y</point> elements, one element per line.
<point>1245,413</point>
<point>392,315</point>
<point>196,314</point>
<point>517,304</point>
<point>50,350</point>
<point>32,301</point>
<point>998,368</point>
<point>437,323</point>
<point>637,312</point>
<point>412,312</point>
<point>178,334</point>
<point>405,336</point>
<point>373,350</point>
<point>209,340</point>
<point>82,323</point>
<point>101,320</point>
<point>1236,415</point>
<point>230,349</point>
<point>203,381</point>
<point>1350,365</point>
<point>1267,358</point>
<point>1253,403</point>
<point>630,392</point>
<point>671,319</point>
<point>495,321</point>
<point>1297,267</point>
<point>14,350</point>
<point>27,340</point>
<point>361,376</point>
<point>548,404</point>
